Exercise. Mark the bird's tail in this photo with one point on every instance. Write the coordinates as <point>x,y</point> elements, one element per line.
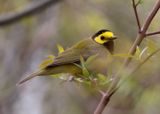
<point>34,74</point>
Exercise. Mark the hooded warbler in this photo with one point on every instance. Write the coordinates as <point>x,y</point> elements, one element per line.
<point>100,44</point>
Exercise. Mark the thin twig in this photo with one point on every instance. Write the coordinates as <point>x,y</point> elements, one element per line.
<point>31,9</point>
<point>136,14</point>
<point>153,33</point>
<point>139,1</point>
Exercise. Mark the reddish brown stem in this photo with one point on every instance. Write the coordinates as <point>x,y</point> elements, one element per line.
<point>153,33</point>
<point>136,14</point>
<point>103,102</point>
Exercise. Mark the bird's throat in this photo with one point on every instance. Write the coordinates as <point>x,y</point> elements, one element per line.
<point>110,46</point>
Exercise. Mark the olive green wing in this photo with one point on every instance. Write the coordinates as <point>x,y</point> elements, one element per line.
<point>68,56</point>
<point>71,55</point>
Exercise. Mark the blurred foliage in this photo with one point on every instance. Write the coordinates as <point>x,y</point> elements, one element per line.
<point>25,43</point>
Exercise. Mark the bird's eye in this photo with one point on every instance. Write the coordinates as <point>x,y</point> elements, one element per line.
<point>102,37</point>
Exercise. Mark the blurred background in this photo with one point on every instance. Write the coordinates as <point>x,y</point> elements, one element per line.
<point>27,40</point>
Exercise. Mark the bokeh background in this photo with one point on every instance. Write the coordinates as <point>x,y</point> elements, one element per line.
<point>25,42</point>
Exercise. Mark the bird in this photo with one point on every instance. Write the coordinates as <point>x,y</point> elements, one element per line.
<point>101,44</point>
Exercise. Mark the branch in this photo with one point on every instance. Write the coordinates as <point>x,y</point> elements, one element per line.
<point>103,102</point>
<point>139,1</point>
<point>136,14</point>
<point>153,33</point>
<point>31,9</point>
<point>140,36</point>
<point>144,29</point>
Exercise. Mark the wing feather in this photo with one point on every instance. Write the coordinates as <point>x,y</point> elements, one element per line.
<point>72,55</point>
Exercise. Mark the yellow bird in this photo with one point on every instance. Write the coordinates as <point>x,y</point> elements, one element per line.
<point>101,45</point>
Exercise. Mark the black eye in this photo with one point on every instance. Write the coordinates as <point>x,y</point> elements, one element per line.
<point>102,37</point>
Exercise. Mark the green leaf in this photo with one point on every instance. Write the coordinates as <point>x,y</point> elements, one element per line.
<point>88,83</point>
<point>60,48</point>
<point>137,53</point>
<point>151,46</point>
<point>78,65</point>
<point>142,52</point>
<point>85,72</point>
<point>90,59</point>
<point>140,1</point>
<point>102,79</point>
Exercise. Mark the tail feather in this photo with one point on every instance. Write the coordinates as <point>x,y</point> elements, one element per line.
<point>30,77</point>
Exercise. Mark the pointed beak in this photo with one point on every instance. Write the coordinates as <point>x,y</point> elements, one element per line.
<point>113,38</point>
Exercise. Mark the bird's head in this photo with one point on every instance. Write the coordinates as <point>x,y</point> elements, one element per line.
<point>103,36</point>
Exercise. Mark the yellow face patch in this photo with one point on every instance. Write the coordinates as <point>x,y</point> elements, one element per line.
<point>99,40</point>
<point>108,34</point>
<point>104,37</point>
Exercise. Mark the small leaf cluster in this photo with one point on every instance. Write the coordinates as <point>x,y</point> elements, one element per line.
<point>89,78</point>
<point>149,48</point>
